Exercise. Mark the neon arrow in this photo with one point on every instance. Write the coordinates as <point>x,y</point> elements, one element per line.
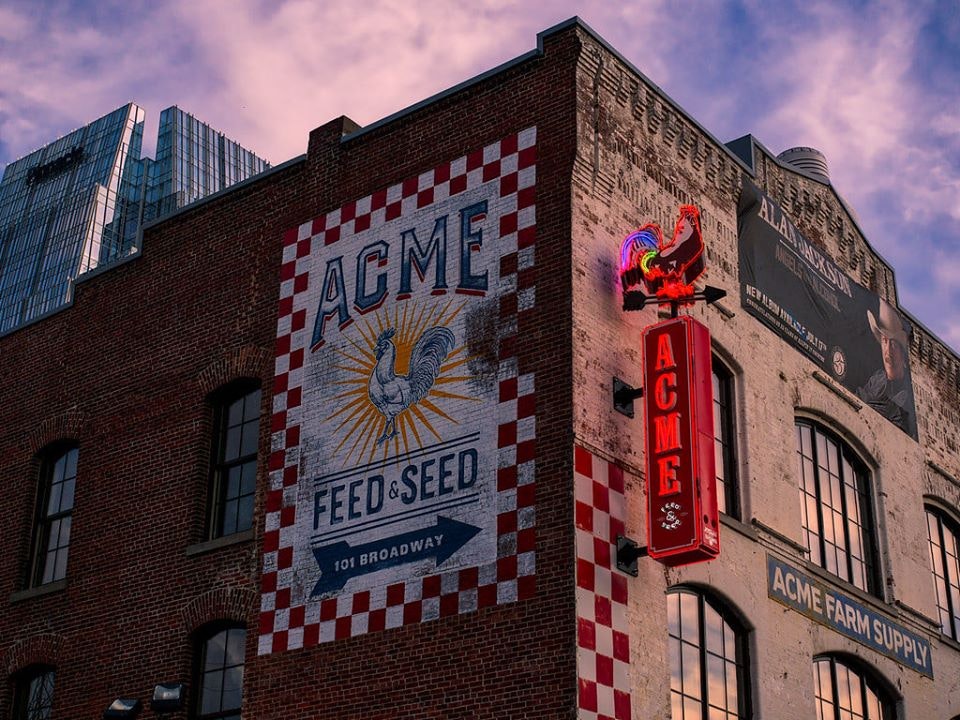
<point>340,561</point>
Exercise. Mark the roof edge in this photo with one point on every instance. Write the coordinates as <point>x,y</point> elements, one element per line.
<point>469,82</point>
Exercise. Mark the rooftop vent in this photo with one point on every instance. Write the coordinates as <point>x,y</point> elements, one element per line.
<point>808,159</point>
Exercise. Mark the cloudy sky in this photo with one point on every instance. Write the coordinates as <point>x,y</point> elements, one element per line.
<point>874,85</point>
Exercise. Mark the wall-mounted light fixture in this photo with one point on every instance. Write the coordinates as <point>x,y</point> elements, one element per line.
<point>167,697</point>
<point>123,708</point>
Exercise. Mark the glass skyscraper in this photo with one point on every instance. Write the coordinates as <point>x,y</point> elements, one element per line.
<point>79,202</point>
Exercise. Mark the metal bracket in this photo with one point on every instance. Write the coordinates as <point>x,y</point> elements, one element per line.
<point>636,299</point>
<point>624,395</point>
<point>627,553</point>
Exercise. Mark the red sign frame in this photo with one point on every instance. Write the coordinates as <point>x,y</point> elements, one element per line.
<point>683,521</point>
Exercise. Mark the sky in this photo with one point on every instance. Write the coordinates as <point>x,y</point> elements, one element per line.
<point>875,86</point>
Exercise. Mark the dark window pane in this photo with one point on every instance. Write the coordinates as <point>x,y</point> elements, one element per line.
<point>835,508</point>
<point>944,539</point>
<point>252,406</point>
<point>725,462</point>
<point>248,479</point>
<point>66,495</point>
<point>235,412</point>
<point>244,513</point>
<point>220,679</point>
<point>232,449</point>
<point>51,540</point>
<point>216,649</point>
<point>235,466</point>
<point>232,688</point>
<point>33,695</point>
<point>212,692</point>
<point>248,443</point>
<point>233,481</point>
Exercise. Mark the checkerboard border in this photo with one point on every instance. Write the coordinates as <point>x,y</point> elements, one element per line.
<point>511,163</point>
<point>603,638</point>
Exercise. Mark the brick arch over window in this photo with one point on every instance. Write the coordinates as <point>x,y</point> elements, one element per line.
<point>218,605</point>
<point>246,361</point>
<point>35,650</point>
<point>67,426</point>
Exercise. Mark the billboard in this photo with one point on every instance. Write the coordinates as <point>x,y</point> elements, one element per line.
<point>682,517</point>
<point>401,472</point>
<point>790,285</point>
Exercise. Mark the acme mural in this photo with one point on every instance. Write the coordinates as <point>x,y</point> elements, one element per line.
<point>403,428</point>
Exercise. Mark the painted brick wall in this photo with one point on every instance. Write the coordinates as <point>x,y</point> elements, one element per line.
<point>639,158</point>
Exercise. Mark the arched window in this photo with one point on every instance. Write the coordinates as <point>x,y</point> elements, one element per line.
<point>843,692</point>
<point>725,440</point>
<point>237,435</point>
<point>944,536</point>
<point>218,677</point>
<point>835,506</point>
<point>33,693</point>
<point>51,541</point>
<point>709,675</point>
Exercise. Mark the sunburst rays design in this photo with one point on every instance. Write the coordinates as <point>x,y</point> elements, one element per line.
<point>355,422</point>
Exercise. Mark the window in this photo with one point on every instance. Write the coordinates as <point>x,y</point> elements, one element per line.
<point>235,459</point>
<point>33,693</point>
<point>708,659</point>
<point>219,674</point>
<point>58,476</point>
<point>835,506</point>
<point>843,693</point>
<point>944,537</point>
<point>724,443</point>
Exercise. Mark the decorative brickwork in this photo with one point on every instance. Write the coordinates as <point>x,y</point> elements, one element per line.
<point>220,604</point>
<point>603,632</point>
<point>248,361</point>
<point>35,650</point>
<point>67,426</point>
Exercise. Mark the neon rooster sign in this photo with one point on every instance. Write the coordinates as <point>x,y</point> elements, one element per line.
<point>667,269</point>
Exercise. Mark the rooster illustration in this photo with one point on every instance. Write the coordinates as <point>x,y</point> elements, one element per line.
<point>390,393</point>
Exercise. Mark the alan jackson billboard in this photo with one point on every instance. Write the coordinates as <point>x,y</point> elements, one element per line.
<point>859,339</point>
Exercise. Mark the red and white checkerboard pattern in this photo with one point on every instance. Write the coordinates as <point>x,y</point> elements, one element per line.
<point>603,647</point>
<point>511,163</point>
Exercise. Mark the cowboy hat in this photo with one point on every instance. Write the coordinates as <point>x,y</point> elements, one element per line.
<point>890,324</point>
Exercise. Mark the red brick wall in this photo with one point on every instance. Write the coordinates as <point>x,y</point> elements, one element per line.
<point>126,371</point>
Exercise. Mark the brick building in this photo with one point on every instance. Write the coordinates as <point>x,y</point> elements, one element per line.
<point>340,441</point>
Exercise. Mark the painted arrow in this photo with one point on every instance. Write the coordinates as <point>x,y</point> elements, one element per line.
<point>340,561</point>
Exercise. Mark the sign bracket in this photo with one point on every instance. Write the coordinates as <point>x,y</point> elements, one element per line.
<point>627,554</point>
<point>624,395</point>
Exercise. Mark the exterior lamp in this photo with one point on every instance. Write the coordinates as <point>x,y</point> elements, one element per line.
<point>167,697</point>
<point>123,708</point>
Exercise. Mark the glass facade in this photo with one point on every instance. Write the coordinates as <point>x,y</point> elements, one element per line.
<point>80,201</point>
